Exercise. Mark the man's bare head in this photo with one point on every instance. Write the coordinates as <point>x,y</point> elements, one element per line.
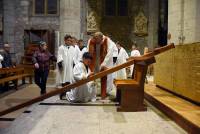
<point>98,36</point>
<point>118,44</point>
<point>7,47</point>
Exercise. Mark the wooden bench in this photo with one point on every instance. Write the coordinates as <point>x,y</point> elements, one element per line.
<point>14,74</point>
<point>130,92</point>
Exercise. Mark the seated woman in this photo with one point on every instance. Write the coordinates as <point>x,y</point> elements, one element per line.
<point>86,92</point>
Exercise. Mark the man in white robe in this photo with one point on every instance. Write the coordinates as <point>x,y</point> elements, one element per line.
<point>65,61</point>
<point>77,53</point>
<point>1,59</point>
<point>102,48</point>
<point>121,58</point>
<point>115,54</point>
<point>86,92</point>
<point>134,53</point>
<point>82,48</point>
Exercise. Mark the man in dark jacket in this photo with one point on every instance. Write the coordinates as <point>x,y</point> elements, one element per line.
<point>7,61</point>
<point>41,61</point>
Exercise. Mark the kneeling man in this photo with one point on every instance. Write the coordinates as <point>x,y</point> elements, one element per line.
<point>86,92</point>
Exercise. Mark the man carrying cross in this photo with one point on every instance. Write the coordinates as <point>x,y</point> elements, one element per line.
<point>102,49</point>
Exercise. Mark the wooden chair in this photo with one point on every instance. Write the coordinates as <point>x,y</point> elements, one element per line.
<point>130,92</point>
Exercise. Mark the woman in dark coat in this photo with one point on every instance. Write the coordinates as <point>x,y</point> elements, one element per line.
<point>41,59</point>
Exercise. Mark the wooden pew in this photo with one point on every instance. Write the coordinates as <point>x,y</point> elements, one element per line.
<point>14,74</point>
<point>81,82</point>
<point>130,92</point>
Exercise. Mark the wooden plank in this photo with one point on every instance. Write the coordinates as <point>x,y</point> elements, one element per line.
<point>184,113</point>
<point>10,70</point>
<point>81,82</point>
<point>15,77</point>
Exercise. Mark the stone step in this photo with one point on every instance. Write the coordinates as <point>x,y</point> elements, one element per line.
<point>183,112</point>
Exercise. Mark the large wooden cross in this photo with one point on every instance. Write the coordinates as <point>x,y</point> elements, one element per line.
<point>56,91</point>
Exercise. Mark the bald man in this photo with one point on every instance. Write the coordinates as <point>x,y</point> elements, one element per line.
<point>102,49</point>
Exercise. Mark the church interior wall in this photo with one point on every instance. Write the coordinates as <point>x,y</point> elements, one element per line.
<point>184,21</point>
<point>153,24</point>
<point>1,23</point>
<point>178,70</point>
<point>70,18</point>
<point>191,21</point>
<point>121,28</point>
<point>84,8</point>
<point>18,17</point>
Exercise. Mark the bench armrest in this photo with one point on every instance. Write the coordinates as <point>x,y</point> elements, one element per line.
<point>126,83</point>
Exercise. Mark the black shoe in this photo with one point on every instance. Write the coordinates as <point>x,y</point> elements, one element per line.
<point>114,100</point>
<point>61,96</point>
<point>42,92</point>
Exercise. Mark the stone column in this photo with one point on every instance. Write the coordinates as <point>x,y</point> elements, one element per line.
<point>70,18</point>
<point>153,24</point>
<point>175,19</point>
<point>191,21</point>
<point>83,20</point>
<point>184,20</point>
<point>9,22</point>
<point>1,15</point>
<point>57,41</point>
<point>15,18</point>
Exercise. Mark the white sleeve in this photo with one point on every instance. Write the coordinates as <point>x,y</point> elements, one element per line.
<point>78,75</point>
<point>115,50</point>
<point>109,55</point>
<point>84,50</point>
<point>78,54</point>
<point>60,54</point>
<point>134,53</point>
<point>73,52</point>
<point>138,53</point>
<point>125,54</point>
<point>1,58</point>
<point>88,44</point>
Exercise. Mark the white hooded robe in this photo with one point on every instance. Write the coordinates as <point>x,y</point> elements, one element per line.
<point>83,93</point>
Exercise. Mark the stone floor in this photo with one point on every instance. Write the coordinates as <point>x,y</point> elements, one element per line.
<point>53,116</point>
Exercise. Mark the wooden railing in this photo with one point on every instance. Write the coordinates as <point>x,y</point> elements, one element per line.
<point>81,82</point>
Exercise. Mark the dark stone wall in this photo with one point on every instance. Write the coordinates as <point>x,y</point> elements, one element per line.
<point>122,28</point>
<point>18,16</point>
<point>1,22</point>
<point>1,7</point>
